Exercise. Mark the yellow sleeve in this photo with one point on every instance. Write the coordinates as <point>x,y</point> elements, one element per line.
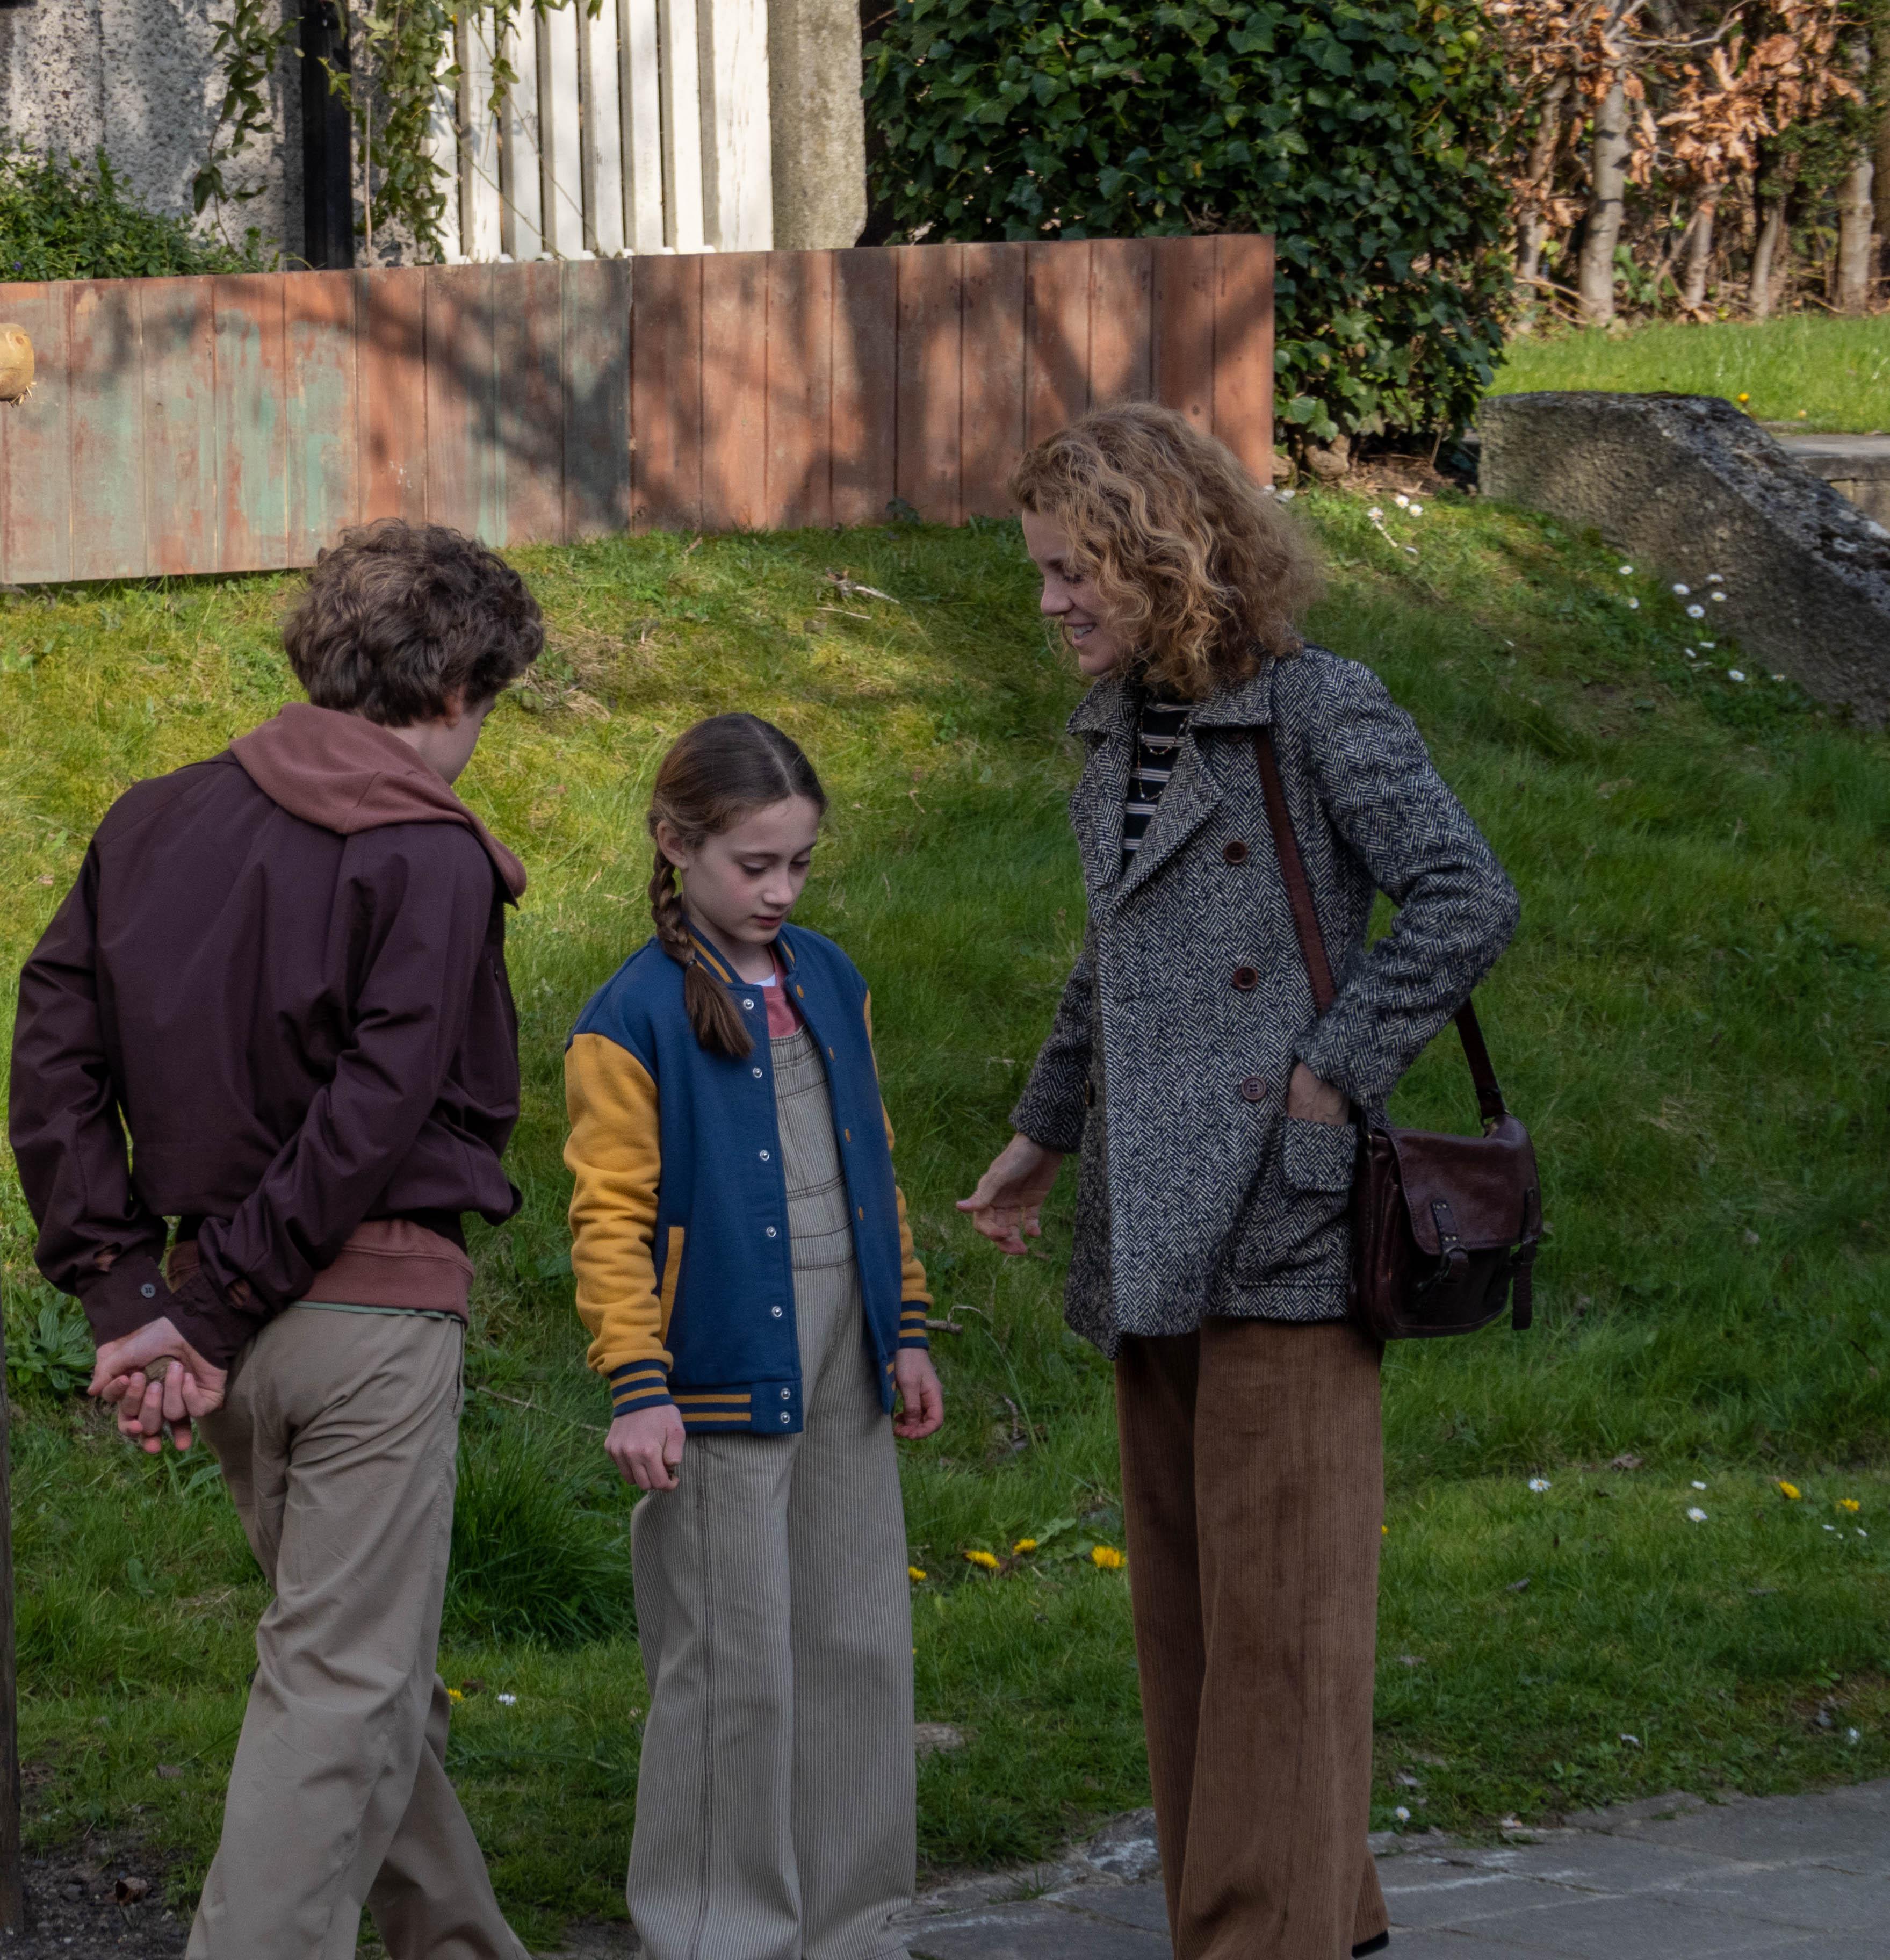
<point>914,1293</point>
<point>614,1153</point>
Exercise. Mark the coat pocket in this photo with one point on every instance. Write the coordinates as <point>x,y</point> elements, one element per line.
<point>1317,1156</point>
<point>1296,1232</point>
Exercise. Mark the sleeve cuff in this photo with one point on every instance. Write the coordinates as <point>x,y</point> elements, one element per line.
<point>211,1320</point>
<point>913,1332</point>
<point>130,1294</point>
<point>638,1384</point>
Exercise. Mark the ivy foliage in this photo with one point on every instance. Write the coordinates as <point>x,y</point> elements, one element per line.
<point>61,218</point>
<point>1360,135</point>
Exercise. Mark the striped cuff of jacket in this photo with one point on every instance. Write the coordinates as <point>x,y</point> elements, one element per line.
<point>912,1325</point>
<point>638,1384</point>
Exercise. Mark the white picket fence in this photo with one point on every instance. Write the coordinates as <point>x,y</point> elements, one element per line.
<point>642,128</point>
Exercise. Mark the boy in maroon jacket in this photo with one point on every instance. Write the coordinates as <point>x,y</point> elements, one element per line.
<point>282,977</point>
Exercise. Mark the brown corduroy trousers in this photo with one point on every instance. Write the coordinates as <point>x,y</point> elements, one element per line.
<point>1253,1496</point>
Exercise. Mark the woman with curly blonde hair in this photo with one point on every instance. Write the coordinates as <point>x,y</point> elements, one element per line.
<point>1217,1115</point>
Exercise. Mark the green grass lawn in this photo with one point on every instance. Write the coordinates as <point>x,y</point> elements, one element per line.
<point>1694,1022</point>
<point>1812,369</point>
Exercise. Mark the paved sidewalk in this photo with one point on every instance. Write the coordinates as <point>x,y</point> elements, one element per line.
<point>1671,1878</point>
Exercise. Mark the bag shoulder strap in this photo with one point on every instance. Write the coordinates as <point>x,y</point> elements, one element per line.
<point>1306,925</point>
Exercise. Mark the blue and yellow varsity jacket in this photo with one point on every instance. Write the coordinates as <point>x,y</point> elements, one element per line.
<point>679,1218</point>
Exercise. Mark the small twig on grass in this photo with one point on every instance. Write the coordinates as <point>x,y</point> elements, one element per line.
<point>850,588</point>
<point>845,614</point>
<point>569,1421</point>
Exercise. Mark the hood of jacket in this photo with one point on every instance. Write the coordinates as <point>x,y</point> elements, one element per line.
<point>346,774</point>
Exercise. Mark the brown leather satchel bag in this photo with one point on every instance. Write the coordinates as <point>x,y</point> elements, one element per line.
<point>1444,1229</point>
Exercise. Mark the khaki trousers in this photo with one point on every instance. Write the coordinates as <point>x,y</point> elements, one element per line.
<point>337,1442</point>
<point>1253,1495</point>
<point>776,1807</point>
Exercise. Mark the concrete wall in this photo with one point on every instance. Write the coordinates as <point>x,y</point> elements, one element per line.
<point>137,78</point>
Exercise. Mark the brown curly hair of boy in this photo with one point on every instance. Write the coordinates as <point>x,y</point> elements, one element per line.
<point>1203,571</point>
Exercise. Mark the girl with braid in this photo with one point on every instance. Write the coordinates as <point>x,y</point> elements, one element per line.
<point>745,1271</point>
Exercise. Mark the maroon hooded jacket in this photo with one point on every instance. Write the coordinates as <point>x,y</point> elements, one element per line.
<point>282,972</point>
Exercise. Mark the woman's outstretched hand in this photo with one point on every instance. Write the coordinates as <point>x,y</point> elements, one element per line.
<point>1007,1204</point>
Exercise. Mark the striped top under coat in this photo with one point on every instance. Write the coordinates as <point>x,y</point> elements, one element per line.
<point>1158,732</point>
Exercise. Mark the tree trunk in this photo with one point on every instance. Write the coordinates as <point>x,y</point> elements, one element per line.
<point>1855,214</point>
<point>1759,302</point>
<point>1543,147</point>
<point>1880,183</point>
<point>1697,260</point>
<point>1607,195</point>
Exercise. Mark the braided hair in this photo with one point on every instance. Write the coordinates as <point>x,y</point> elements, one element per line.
<point>715,774</point>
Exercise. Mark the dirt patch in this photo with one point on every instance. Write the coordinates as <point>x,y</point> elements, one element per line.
<point>86,1902</point>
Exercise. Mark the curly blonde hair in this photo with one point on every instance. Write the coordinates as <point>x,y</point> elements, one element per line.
<point>1201,569</point>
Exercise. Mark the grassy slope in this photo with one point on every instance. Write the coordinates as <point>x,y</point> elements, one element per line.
<point>1693,1022</point>
<point>1822,373</point>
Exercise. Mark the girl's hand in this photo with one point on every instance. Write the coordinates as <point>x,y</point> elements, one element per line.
<point>1006,1205</point>
<point>921,1400</point>
<point>647,1446</point>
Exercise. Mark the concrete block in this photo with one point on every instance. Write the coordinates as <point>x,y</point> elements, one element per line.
<point>1856,466</point>
<point>1142,1906</point>
<point>817,124</point>
<point>1690,486</point>
<point>1647,1927</point>
<point>1035,1932</point>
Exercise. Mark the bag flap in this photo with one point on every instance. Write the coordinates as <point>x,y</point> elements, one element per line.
<point>1486,1182</point>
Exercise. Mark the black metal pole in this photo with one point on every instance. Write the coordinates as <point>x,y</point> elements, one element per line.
<point>327,172</point>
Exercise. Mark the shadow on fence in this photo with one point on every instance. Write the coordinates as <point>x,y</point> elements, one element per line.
<point>239,423</point>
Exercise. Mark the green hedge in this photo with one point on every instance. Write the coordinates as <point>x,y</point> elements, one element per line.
<point>62,218</point>
<point>1359,134</point>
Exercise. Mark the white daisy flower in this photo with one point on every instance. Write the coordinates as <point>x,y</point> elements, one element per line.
<point>1402,500</point>
<point>1683,591</point>
<point>1375,513</point>
<point>1626,571</point>
<point>1633,606</point>
<point>508,1700</point>
<point>1697,1485</point>
<point>1404,1815</point>
<point>1417,510</point>
<point>1698,1516</point>
<point>1714,578</point>
<point>1539,1483</point>
<point>1696,612</point>
<point>1717,596</point>
<point>1733,673</point>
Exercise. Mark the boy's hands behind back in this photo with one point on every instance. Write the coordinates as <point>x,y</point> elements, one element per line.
<point>647,1446</point>
<point>159,1381</point>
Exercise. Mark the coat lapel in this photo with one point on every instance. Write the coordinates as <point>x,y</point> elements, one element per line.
<point>1105,718</point>
<point>1186,804</point>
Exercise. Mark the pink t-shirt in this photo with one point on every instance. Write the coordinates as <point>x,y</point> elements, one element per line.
<point>784,1017</point>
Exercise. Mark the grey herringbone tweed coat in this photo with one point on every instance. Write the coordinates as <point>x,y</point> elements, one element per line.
<point>1168,1062</point>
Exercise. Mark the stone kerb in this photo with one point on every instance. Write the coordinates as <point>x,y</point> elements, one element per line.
<point>1691,486</point>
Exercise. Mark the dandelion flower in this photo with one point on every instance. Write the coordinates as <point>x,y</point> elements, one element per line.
<point>1849,1504</point>
<point>508,1700</point>
<point>913,1572</point>
<point>454,1694</point>
<point>1106,1558</point>
<point>1790,1490</point>
<point>1696,612</point>
<point>1742,400</point>
<point>1538,1483</point>
<point>1022,1545</point>
<point>983,1560</point>
<point>1626,571</point>
<point>1404,1815</point>
<point>1683,591</point>
<point>1698,1516</point>
<point>1733,673</point>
